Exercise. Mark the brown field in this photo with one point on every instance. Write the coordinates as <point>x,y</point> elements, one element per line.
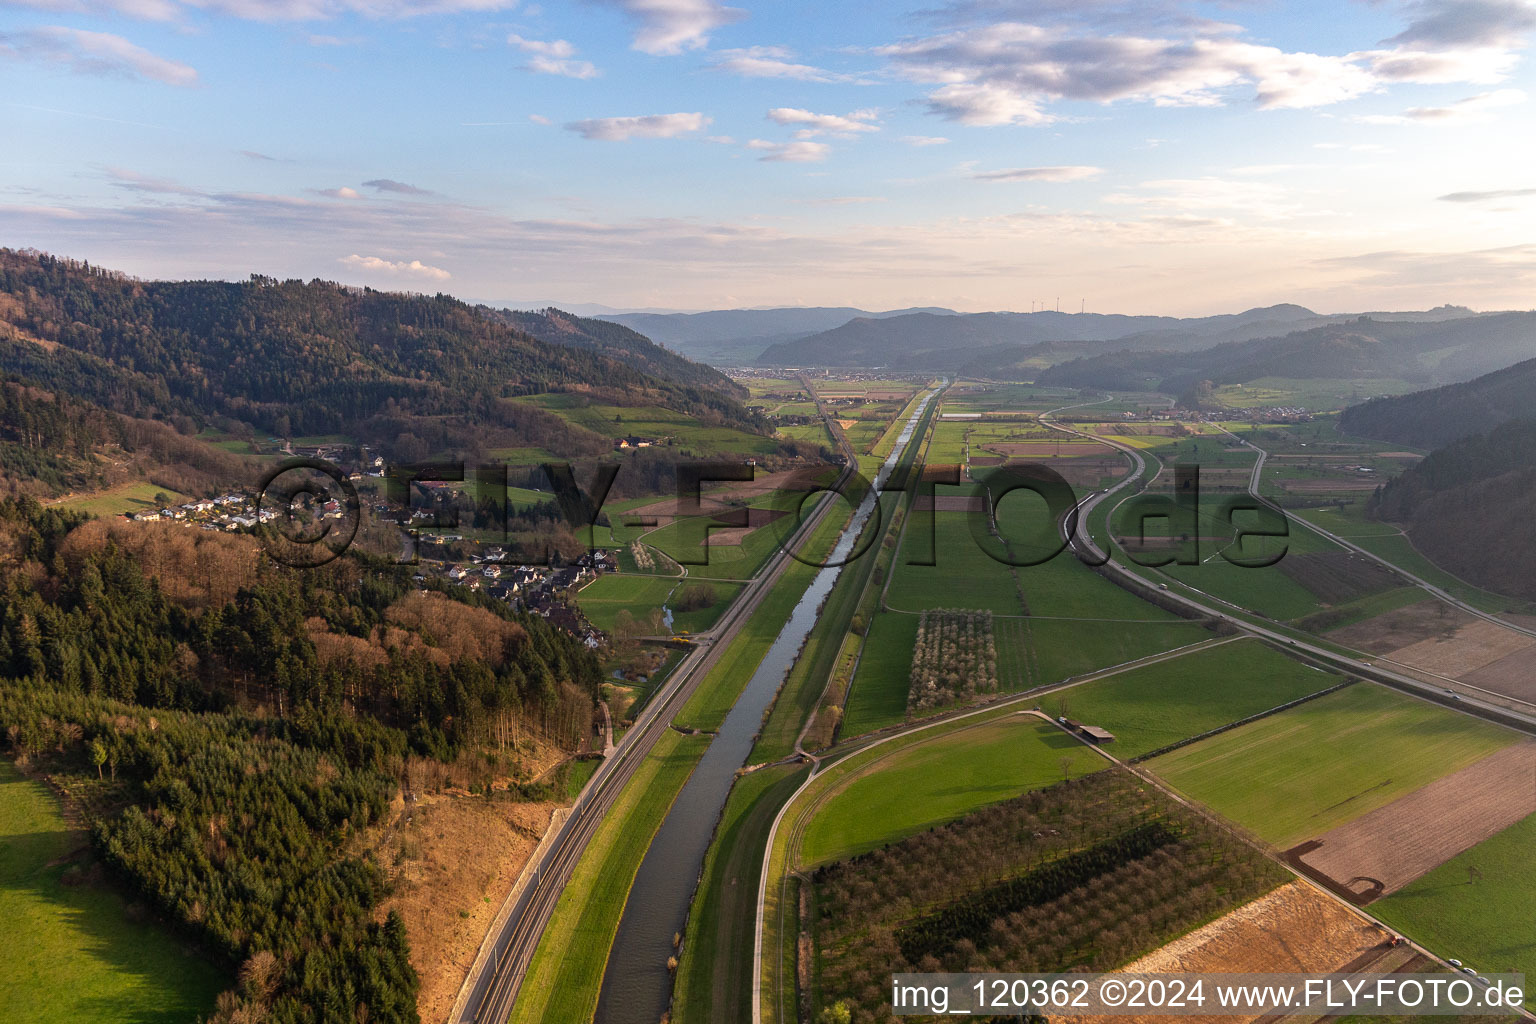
<point>1473,646</point>
<point>1335,577</point>
<point>1294,929</point>
<point>1385,849</point>
<point>1513,675</point>
<point>1343,483</point>
<point>1044,449</point>
<point>949,503</point>
<point>987,460</point>
<point>757,518</point>
<point>1400,627</point>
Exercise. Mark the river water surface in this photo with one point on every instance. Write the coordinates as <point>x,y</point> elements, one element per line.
<point>637,988</point>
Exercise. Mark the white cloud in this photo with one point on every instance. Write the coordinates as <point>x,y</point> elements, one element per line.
<point>801,152</point>
<point>93,53</point>
<point>377,264</point>
<point>1002,73</point>
<point>924,140</point>
<point>985,104</point>
<point>1051,174</point>
<point>1472,110</point>
<point>552,57</point>
<point>650,126</point>
<point>772,62</point>
<point>669,27</point>
<point>338,193</point>
<point>539,119</point>
<point>811,125</point>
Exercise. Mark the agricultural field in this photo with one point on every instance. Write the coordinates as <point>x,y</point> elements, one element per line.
<point>1150,707</point>
<point>953,659</point>
<point>1305,771</point>
<point>963,575</point>
<point>1380,852</point>
<point>136,496</point>
<point>1477,905</point>
<point>1314,394</point>
<point>679,431</point>
<point>927,778</point>
<point>695,606</point>
<point>74,951</point>
<point>1096,872</point>
<point>878,696</point>
<point>1004,398</point>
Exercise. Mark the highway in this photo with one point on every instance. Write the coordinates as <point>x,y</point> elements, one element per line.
<point>1441,593</point>
<point>1208,605</point>
<point>492,986</point>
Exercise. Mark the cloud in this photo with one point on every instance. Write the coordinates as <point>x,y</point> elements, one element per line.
<point>272,10</point>
<point>1009,72</point>
<point>650,126</point>
<point>1467,24</point>
<point>539,119</point>
<point>1051,174</point>
<point>1472,110</point>
<point>376,264</point>
<point>251,154</point>
<point>668,27</point>
<point>136,182</point>
<point>801,152</point>
<point>338,193</point>
<point>144,10</point>
<point>772,62</point>
<point>553,57</point>
<point>1480,197</point>
<point>93,53</point>
<point>924,140</point>
<point>812,125</point>
<point>984,104</point>
<point>399,187</point>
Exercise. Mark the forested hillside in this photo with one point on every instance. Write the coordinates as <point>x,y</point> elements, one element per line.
<point>557,327</point>
<point>51,444</point>
<point>1471,506</point>
<point>296,358</point>
<point>233,730</point>
<point>1427,419</point>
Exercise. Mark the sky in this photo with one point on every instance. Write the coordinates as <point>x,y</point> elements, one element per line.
<point>1133,157</point>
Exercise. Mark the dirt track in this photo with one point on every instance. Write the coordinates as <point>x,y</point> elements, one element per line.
<point>1385,849</point>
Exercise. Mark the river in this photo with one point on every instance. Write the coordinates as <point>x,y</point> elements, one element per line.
<point>637,988</point>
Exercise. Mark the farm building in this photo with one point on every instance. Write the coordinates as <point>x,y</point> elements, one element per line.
<point>1092,733</point>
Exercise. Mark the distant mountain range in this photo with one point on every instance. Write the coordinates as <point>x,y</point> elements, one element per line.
<point>726,337</point>
<point>1420,352</point>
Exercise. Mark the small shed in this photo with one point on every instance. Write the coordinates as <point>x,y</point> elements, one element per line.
<point>1094,734</point>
